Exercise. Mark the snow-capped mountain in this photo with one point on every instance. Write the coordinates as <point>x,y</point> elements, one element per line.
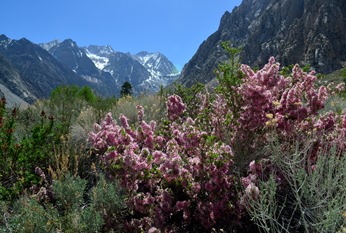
<point>163,72</point>
<point>146,71</point>
<point>156,63</point>
<point>74,57</point>
<point>30,71</point>
<point>99,55</point>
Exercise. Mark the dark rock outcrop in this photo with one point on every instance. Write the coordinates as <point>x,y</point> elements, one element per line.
<point>35,71</point>
<point>293,31</point>
<point>126,69</point>
<point>10,79</point>
<point>76,59</point>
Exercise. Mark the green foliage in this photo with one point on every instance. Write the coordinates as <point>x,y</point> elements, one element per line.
<point>103,105</point>
<point>335,103</point>
<point>71,210</point>
<point>162,93</point>
<point>18,159</point>
<point>126,89</point>
<point>68,192</point>
<point>66,102</point>
<point>228,73</point>
<point>36,148</point>
<point>287,70</point>
<point>33,137</point>
<point>68,214</point>
<point>189,95</point>
<point>108,199</point>
<point>8,148</point>
<point>343,73</point>
<point>73,93</point>
<point>85,93</point>
<point>229,77</point>
<point>30,217</point>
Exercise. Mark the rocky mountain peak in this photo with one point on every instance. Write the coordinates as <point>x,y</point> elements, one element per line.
<point>74,57</point>
<point>30,71</point>
<point>4,38</point>
<point>293,31</point>
<point>146,71</point>
<point>47,46</point>
<point>100,50</point>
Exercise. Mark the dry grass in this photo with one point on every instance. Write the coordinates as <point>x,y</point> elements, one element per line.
<point>154,108</point>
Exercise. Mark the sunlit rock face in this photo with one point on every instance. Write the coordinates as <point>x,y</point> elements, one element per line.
<point>294,31</point>
<point>30,72</point>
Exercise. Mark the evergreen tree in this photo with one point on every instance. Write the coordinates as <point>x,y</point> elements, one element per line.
<point>126,89</point>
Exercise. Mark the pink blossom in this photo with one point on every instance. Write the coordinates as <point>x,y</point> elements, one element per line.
<point>154,230</point>
<point>140,113</point>
<point>340,87</point>
<point>175,107</point>
<point>124,121</point>
<point>185,170</point>
<point>159,157</point>
<point>252,190</point>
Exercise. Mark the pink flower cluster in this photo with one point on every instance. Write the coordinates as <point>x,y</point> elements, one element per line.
<point>289,100</point>
<point>175,107</point>
<point>330,131</point>
<point>185,171</point>
<point>178,173</point>
<point>290,105</point>
<point>257,171</point>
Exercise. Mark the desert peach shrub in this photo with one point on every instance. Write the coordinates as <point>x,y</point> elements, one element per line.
<point>187,173</point>
<point>179,175</point>
<point>295,183</point>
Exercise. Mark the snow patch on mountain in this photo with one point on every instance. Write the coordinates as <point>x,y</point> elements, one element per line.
<point>156,63</point>
<point>5,41</point>
<point>49,45</point>
<point>99,55</point>
<point>99,61</point>
<point>156,69</point>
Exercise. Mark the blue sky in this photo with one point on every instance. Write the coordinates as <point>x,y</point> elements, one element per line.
<point>174,27</point>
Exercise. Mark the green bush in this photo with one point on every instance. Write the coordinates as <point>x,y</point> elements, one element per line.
<point>69,204</point>
<point>69,213</point>
<point>190,96</point>
<point>107,199</point>
<point>18,158</point>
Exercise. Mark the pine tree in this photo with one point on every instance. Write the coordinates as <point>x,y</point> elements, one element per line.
<point>126,89</point>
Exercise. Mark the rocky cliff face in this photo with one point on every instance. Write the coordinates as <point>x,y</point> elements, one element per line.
<point>162,71</point>
<point>126,69</point>
<point>293,31</point>
<point>76,59</point>
<point>10,82</point>
<point>145,71</point>
<point>31,72</point>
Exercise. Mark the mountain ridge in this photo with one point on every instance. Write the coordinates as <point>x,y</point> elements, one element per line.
<point>31,71</point>
<point>293,31</point>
